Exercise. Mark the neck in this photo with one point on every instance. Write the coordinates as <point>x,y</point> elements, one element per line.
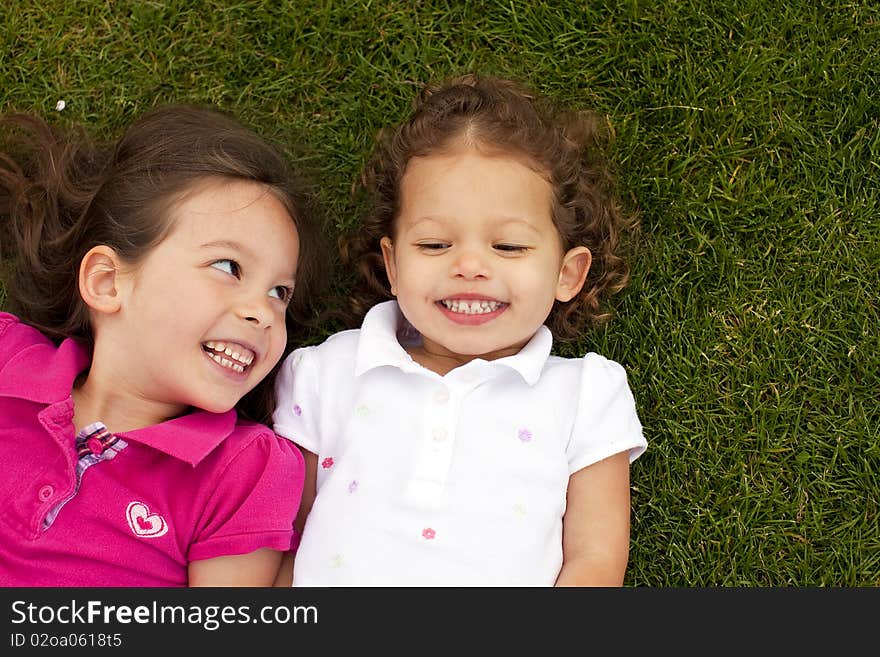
<point>99,399</point>
<point>443,362</point>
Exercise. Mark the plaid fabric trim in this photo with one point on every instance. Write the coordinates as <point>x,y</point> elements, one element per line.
<point>94,439</point>
<point>93,445</point>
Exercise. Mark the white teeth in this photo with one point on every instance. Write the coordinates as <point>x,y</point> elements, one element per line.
<point>230,354</point>
<point>472,307</point>
<point>227,363</point>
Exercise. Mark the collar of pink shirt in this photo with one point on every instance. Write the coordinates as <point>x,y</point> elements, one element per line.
<point>44,373</point>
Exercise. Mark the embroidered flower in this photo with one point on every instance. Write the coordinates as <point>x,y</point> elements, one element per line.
<point>428,533</point>
<point>327,463</point>
<point>297,410</point>
<point>525,435</point>
<point>353,486</point>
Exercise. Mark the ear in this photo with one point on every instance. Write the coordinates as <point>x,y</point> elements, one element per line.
<point>390,268</point>
<point>575,267</point>
<point>99,274</point>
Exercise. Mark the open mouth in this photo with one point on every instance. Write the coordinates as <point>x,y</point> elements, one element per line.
<point>231,355</point>
<point>475,307</point>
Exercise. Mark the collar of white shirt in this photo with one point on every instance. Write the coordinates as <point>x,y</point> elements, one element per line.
<point>379,346</point>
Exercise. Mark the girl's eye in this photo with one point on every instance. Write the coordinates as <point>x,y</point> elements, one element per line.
<point>433,246</point>
<point>511,248</point>
<point>231,267</point>
<point>282,292</point>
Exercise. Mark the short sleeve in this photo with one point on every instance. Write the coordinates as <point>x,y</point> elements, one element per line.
<point>297,403</point>
<point>16,336</point>
<point>253,501</point>
<point>7,321</point>
<point>606,422</point>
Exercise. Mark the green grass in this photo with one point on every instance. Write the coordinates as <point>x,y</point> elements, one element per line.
<point>747,139</point>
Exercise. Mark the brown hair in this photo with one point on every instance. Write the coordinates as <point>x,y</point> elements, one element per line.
<point>62,193</point>
<point>502,115</point>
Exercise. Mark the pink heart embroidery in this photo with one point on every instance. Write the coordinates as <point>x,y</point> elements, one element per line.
<point>144,524</point>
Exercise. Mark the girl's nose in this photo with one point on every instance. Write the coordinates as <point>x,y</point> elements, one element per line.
<point>470,263</point>
<point>257,310</point>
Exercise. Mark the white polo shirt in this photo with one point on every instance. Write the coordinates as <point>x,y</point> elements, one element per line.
<point>455,480</point>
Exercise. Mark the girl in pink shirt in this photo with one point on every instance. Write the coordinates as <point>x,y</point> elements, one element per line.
<point>152,284</point>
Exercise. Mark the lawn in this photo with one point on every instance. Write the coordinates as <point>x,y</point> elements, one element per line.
<point>746,138</point>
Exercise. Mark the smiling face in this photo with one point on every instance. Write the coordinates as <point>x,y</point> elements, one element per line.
<point>201,319</point>
<point>475,261</point>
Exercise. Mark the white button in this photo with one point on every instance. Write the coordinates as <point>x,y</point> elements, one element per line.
<point>439,434</point>
<point>441,396</point>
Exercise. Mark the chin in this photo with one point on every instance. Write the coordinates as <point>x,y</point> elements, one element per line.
<point>216,407</point>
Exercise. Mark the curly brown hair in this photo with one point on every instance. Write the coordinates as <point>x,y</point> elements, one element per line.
<point>63,192</point>
<point>502,115</point>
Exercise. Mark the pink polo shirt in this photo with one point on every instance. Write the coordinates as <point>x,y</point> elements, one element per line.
<point>199,486</point>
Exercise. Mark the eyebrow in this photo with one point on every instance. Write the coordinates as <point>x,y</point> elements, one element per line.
<point>499,221</point>
<point>503,221</point>
<point>225,244</point>
<point>229,244</point>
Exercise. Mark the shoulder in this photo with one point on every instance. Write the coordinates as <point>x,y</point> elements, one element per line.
<point>7,320</point>
<point>603,369</point>
<point>319,363</point>
<point>338,345</point>
<point>16,336</point>
<point>314,375</point>
<point>342,343</point>
<point>11,327</point>
<point>253,444</point>
<point>593,369</point>
<point>596,382</point>
<point>604,392</point>
<point>246,492</point>
<point>606,420</point>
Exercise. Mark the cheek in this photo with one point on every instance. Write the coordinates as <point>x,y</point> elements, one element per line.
<point>276,349</point>
<point>407,275</point>
<point>538,285</point>
<point>535,279</point>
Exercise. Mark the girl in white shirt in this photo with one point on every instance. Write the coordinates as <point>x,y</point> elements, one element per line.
<point>444,444</point>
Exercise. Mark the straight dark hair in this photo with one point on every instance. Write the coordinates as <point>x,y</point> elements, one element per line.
<point>62,193</point>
